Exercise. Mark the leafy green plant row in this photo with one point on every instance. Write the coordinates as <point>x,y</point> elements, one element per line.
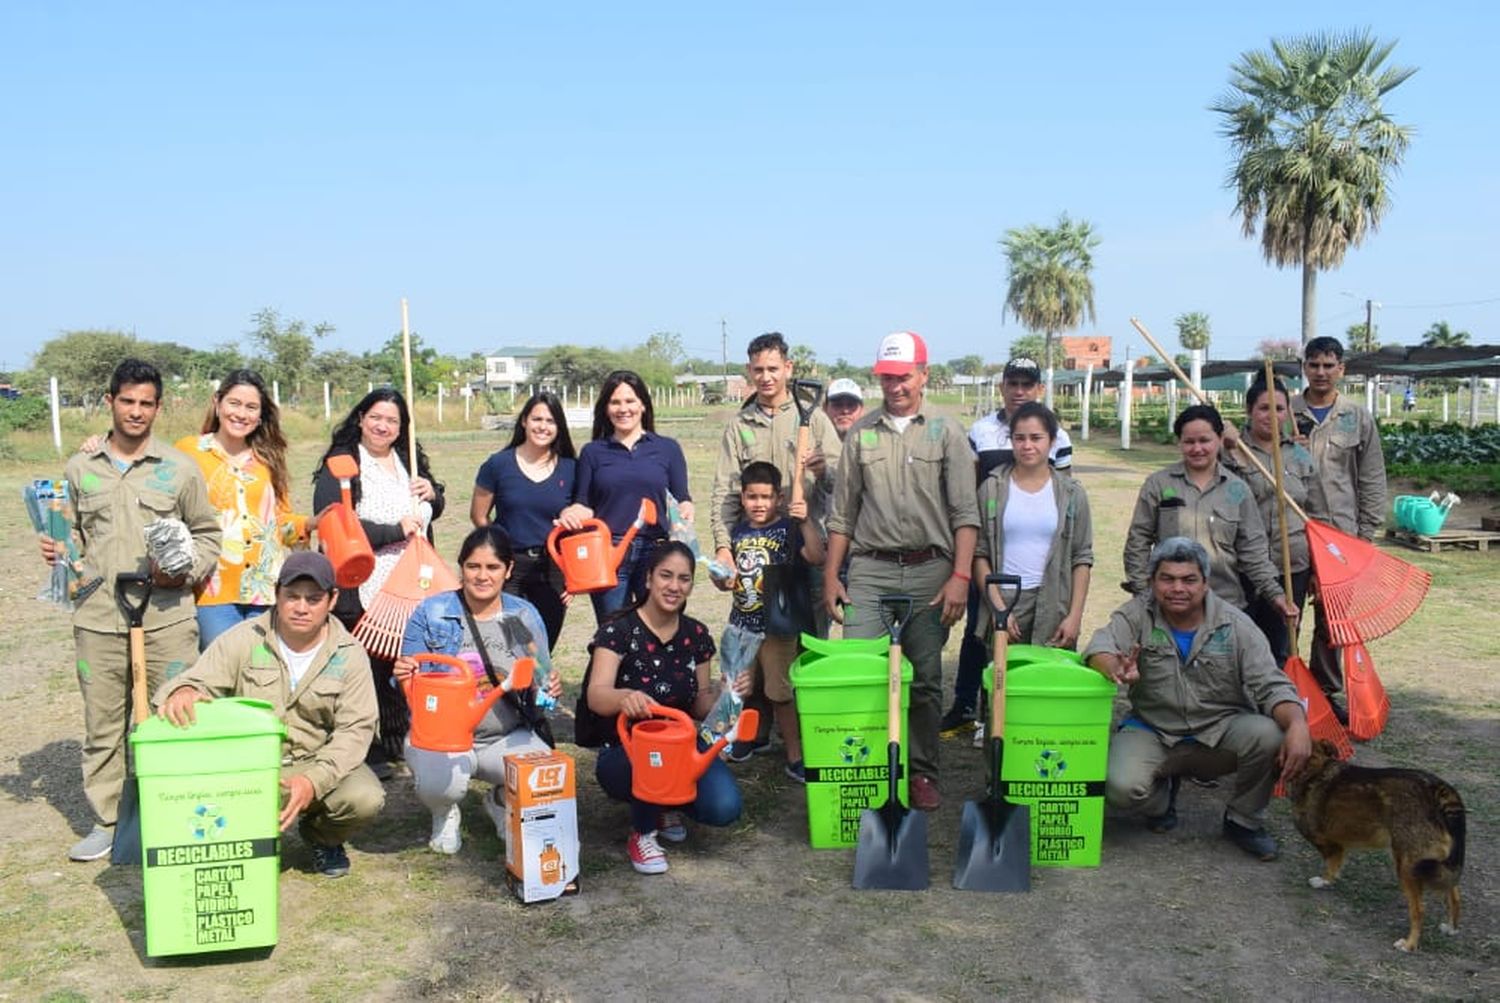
<point>1464,479</point>
<point>1425,443</point>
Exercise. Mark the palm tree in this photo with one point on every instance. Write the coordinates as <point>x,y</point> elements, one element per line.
<point>1314,149</point>
<point>1440,335</point>
<point>1193,331</point>
<point>1048,287</point>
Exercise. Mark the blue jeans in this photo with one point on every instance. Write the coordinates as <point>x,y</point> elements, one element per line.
<point>972,658</point>
<point>216,619</point>
<point>632,580</point>
<point>718,802</point>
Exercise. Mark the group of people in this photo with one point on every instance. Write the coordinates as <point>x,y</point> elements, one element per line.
<point>893,499</point>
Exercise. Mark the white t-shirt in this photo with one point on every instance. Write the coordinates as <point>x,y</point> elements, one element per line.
<point>1029,522</point>
<point>297,662</point>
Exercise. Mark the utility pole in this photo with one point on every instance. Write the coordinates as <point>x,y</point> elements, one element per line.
<point>1369,325</point>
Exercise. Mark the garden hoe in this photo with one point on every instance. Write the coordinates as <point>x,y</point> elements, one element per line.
<point>127,844</point>
<point>994,838</point>
<point>892,847</point>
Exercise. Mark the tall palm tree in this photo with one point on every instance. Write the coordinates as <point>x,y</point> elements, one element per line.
<point>1314,149</point>
<point>1049,288</point>
<point>1440,335</point>
<point>1193,330</point>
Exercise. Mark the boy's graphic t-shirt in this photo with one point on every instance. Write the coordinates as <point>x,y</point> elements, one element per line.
<point>755,549</point>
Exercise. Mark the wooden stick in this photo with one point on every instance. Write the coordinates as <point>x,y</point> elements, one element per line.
<point>411,406</point>
<point>1286,537</point>
<point>1177,371</point>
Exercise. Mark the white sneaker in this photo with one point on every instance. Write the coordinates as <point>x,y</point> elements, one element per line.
<point>445,837</point>
<point>671,826</point>
<point>496,811</point>
<point>645,853</point>
<point>95,846</point>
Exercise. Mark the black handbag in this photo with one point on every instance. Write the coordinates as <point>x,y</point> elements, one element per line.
<point>524,703</point>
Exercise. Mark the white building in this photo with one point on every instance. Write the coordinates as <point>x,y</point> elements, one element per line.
<point>510,368</point>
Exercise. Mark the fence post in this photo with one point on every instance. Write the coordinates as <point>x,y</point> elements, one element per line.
<point>1445,407</point>
<point>1126,400</point>
<point>440,403</point>
<point>56,414</point>
<point>1387,403</point>
<point>1474,401</point>
<point>276,392</point>
<point>327,403</point>
<point>1088,389</point>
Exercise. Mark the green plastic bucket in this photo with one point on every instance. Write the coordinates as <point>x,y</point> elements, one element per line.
<point>1057,718</point>
<point>209,797</point>
<point>1017,655</point>
<point>817,647</point>
<point>842,713</point>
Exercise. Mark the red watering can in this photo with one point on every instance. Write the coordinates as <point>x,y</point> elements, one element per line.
<point>665,763</point>
<point>344,540</point>
<point>589,561</point>
<point>445,702</point>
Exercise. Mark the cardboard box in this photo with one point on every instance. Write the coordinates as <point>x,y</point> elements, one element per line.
<point>541,841</point>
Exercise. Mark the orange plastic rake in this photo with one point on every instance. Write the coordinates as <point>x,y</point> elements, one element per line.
<point>1368,705</point>
<point>420,572</point>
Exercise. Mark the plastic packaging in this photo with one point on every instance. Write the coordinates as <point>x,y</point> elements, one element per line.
<point>170,544</point>
<point>681,529</point>
<point>51,513</point>
<point>737,648</point>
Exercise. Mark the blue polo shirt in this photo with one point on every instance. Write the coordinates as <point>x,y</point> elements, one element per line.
<point>612,480</point>
<point>525,508</point>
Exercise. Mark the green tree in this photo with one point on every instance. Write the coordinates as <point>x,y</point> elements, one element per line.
<point>344,370</point>
<point>1049,287</point>
<point>389,366</point>
<point>1360,338</point>
<point>1440,335</point>
<point>804,361</point>
<point>82,361</point>
<point>1028,346</point>
<point>967,365</point>
<point>1278,349</point>
<point>1313,149</point>
<point>286,350</point>
<point>665,348</point>
<point>1193,330</point>
<point>575,365</point>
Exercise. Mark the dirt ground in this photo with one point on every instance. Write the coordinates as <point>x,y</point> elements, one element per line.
<point>751,912</point>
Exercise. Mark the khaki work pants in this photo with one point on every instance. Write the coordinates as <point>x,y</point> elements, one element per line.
<point>351,805</point>
<point>103,667</point>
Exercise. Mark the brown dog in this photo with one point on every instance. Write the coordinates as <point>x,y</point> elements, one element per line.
<point>1341,807</point>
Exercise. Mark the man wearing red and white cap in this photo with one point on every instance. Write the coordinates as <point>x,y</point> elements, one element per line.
<point>905,509</point>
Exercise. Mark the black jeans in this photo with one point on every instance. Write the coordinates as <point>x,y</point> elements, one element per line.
<point>1269,619</point>
<point>537,580</point>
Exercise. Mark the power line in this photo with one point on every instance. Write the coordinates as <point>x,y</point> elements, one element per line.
<point>1440,306</point>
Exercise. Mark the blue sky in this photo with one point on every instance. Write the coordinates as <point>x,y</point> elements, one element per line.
<point>533,174</point>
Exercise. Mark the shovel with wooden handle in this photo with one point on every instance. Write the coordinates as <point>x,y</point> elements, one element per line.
<point>892,847</point>
<point>994,838</point>
<point>805,395</point>
<point>127,844</point>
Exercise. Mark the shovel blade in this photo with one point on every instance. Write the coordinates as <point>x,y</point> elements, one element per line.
<point>892,849</point>
<point>994,848</point>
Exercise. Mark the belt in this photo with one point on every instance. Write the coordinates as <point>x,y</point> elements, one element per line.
<point>906,556</point>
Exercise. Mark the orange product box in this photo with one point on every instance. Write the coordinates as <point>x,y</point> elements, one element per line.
<point>541,842</point>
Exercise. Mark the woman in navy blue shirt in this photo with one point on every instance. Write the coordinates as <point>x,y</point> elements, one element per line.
<point>522,489</point>
<point>626,462</point>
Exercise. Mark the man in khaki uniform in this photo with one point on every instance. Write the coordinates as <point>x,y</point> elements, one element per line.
<point>130,480</point>
<point>904,506</point>
<point>316,678</point>
<point>1206,699</point>
<point>1349,490</point>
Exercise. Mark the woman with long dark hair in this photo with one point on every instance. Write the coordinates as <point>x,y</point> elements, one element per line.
<point>625,463</point>
<point>392,504</point>
<point>242,453</point>
<point>485,623</point>
<point>523,488</point>
<point>652,654</point>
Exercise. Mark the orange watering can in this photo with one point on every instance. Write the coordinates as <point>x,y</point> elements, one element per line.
<point>344,540</point>
<point>589,561</point>
<point>445,702</point>
<point>665,763</point>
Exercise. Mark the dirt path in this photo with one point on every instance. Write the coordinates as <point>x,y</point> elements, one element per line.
<point>751,912</point>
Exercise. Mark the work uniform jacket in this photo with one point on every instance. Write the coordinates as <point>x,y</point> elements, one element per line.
<point>751,436</point>
<point>1072,544</point>
<point>330,716</point>
<point>1349,493</point>
<point>904,491</point>
<point>1229,669</point>
<point>111,511</point>
<point>1297,475</point>
<point>1224,518</point>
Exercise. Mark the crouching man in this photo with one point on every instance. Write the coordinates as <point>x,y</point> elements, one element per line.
<point>317,680</point>
<point>1206,700</point>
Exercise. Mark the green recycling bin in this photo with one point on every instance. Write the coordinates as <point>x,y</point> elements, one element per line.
<point>1028,654</point>
<point>210,796</point>
<point>844,721</point>
<point>1057,717</point>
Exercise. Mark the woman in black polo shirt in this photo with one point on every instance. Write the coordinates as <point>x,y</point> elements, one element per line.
<point>626,462</point>
<point>522,489</point>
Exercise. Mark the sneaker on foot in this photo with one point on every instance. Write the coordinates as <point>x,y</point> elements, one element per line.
<point>958,720</point>
<point>94,846</point>
<point>671,826</point>
<point>1167,820</point>
<point>797,771</point>
<point>330,861</point>
<point>739,752</point>
<point>496,811</point>
<point>645,853</point>
<point>924,794</point>
<point>1259,843</point>
<point>445,837</point>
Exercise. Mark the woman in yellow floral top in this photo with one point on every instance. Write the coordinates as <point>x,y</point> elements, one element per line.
<point>242,453</point>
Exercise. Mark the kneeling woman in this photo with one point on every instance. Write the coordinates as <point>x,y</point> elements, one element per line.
<point>648,655</point>
<point>494,628</point>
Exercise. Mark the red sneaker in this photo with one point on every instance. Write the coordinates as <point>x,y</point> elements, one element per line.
<point>645,853</point>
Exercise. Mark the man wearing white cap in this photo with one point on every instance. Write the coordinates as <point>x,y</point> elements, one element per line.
<point>845,404</point>
<point>905,508</point>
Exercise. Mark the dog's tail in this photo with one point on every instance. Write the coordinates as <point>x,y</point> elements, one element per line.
<point>1449,812</point>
